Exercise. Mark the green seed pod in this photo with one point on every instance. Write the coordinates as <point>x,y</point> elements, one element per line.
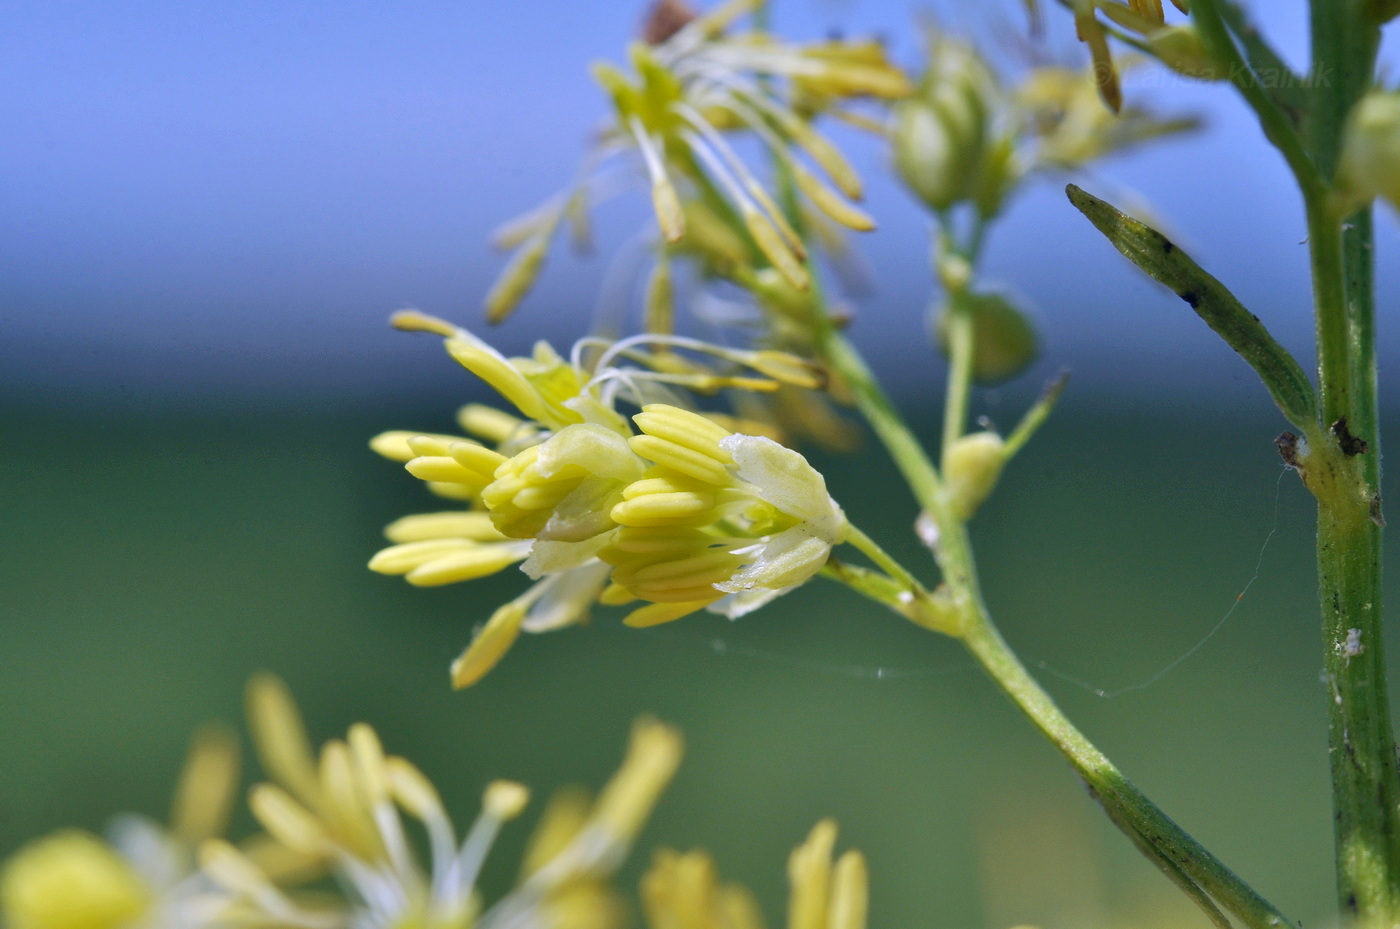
<point>1370,160</point>
<point>1005,342</point>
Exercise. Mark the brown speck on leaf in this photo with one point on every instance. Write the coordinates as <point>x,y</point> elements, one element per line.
<point>1287,444</point>
<point>665,19</point>
<point>1348,443</point>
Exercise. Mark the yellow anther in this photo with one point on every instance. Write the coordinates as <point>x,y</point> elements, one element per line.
<point>809,874</point>
<point>654,614</point>
<point>850,892</point>
<point>489,423</point>
<point>414,321</point>
<point>826,200</point>
<point>287,820</point>
<point>518,277</point>
<point>398,444</point>
<point>775,249</point>
<point>412,790</point>
<point>688,461</point>
<point>505,799</point>
<point>204,796</point>
<point>467,564</point>
<point>788,368</point>
<point>663,509</point>
<point>280,736</point>
<point>424,527</point>
<point>444,470</point>
<point>653,754</point>
<point>489,646</point>
<point>367,753</point>
<point>564,815</point>
<point>476,458</point>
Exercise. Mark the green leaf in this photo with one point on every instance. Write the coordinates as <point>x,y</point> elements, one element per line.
<point>1162,261</point>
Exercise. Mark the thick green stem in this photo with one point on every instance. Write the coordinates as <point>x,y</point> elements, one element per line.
<point>1343,474</point>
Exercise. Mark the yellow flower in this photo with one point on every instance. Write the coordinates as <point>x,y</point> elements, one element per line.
<point>143,875</point>
<point>546,496</point>
<point>685,890</point>
<point>349,805</point>
<point>696,81</point>
<point>717,516</point>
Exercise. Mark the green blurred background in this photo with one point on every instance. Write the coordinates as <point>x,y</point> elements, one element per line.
<point>210,211</point>
<point>153,562</point>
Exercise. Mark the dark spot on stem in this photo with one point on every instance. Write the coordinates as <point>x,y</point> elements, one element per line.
<point>1191,297</point>
<point>1167,246</point>
<point>1377,516</point>
<point>1349,444</point>
<point>1287,444</point>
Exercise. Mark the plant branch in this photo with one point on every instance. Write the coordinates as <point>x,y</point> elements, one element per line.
<point>1169,846</point>
<point>1279,128</point>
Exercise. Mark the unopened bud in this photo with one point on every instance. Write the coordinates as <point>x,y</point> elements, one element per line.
<point>1004,341</point>
<point>971,467</point>
<point>941,134</point>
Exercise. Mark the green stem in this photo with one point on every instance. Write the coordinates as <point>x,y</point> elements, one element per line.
<point>872,550</point>
<point>961,344</point>
<point>1277,124</point>
<point>1343,474</point>
<point>875,405</point>
<point>1176,852</point>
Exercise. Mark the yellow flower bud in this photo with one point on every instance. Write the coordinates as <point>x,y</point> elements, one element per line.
<point>971,467</point>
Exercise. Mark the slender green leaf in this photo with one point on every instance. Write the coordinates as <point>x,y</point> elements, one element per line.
<point>1161,260</point>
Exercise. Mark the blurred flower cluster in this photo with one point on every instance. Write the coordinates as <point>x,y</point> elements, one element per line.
<point>337,851</point>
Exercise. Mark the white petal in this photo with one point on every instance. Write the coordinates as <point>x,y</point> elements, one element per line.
<point>745,601</point>
<point>551,557</point>
<point>786,560</point>
<point>782,477</point>
<point>568,597</point>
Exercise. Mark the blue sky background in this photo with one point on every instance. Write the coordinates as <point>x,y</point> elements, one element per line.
<point>224,201</point>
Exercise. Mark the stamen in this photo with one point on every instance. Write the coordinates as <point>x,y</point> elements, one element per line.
<point>741,171</point>
<point>664,199</point>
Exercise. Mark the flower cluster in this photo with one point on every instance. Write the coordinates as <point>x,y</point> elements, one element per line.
<point>341,814</point>
<point>669,508</point>
<point>692,82</point>
<point>347,809</point>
